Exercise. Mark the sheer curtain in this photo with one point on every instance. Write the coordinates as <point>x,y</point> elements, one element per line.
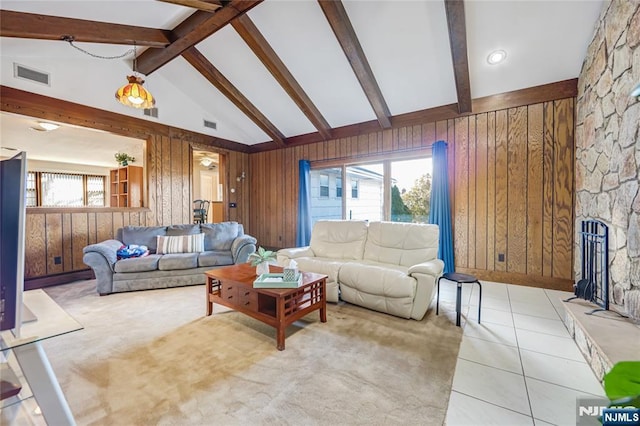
<point>303,229</point>
<point>440,212</point>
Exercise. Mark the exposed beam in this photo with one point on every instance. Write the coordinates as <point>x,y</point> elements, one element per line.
<point>33,105</point>
<point>215,77</point>
<point>263,50</point>
<point>346,35</point>
<point>44,27</point>
<point>192,31</point>
<point>206,5</point>
<point>458,42</point>
<point>531,95</point>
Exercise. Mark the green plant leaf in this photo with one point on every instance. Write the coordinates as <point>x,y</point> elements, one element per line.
<point>623,382</point>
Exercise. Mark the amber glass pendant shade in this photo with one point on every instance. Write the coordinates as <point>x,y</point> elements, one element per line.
<point>134,95</point>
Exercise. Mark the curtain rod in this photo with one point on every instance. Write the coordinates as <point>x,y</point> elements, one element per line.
<point>391,155</point>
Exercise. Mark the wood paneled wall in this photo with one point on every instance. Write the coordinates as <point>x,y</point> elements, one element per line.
<point>512,183</point>
<point>63,233</point>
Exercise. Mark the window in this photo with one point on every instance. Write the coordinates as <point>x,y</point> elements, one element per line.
<point>367,192</point>
<point>323,206</point>
<point>324,185</point>
<point>410,190</point>
<point>95,191</point>
<point>32,194</point>
<point>64,190</point>
<point>397,190</point>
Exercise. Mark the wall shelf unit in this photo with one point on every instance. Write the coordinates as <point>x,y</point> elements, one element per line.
<point>126,186</point>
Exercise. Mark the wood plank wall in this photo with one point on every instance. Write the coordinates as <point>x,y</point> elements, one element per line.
<point>512,183</point>
<point>54,232</point>
<point>64,232</point>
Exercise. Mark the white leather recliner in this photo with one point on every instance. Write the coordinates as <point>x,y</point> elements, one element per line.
<point>390,267</point>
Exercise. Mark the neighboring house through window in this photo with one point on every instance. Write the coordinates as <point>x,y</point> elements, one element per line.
<point>324,185</point>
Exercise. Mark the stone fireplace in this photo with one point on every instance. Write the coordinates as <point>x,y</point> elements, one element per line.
<point>608,148</point>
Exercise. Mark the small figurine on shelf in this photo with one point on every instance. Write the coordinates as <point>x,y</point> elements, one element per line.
<point>124,158</point>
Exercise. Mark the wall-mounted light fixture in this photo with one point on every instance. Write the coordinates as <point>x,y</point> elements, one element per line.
<point>242,177</point>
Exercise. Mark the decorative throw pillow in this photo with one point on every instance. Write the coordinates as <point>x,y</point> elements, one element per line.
<point>180,244</point>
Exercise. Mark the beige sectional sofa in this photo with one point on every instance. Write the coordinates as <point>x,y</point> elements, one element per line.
<point>389,267</point>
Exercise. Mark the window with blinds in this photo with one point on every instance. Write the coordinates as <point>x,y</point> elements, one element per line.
<point>65,190</point>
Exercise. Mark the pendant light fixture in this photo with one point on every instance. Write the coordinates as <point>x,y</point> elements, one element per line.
<point>133,94</point>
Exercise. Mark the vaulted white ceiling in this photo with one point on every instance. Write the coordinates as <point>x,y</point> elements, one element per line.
<point>405,42</point>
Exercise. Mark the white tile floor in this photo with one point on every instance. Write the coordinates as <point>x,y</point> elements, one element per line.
<point>519,366</point>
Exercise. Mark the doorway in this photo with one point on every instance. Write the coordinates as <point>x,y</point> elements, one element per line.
<point>208,183</point>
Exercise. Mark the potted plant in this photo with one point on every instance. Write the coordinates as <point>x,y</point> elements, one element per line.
<point>124,158</point>
<point>260,259</point>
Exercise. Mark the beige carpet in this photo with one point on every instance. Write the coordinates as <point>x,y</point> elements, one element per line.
<point>153,358</point>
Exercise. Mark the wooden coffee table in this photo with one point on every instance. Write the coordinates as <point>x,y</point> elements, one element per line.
<point>232,286</point>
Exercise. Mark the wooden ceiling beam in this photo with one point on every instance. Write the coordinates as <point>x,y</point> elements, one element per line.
<point>341,25</point>
<point>44,27</point>
<point>215,77</point>
<point>263,50</point>
<point>18,101</point>
<point>458,41</point>
<point>517,98</point>
<point>206,5</point>
<point>192,31</point>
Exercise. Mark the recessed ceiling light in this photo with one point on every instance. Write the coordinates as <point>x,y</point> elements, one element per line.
<point>496,57</point>
<point>48,126</point>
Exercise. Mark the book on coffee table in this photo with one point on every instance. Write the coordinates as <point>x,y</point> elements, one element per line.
<point>276,280</point>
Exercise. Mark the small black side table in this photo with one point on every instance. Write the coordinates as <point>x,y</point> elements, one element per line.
<point>459,279</point>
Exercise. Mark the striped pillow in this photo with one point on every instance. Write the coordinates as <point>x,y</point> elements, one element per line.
<point>180,244</point>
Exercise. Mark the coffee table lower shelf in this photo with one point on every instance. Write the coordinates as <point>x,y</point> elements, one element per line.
<point>232,287</point>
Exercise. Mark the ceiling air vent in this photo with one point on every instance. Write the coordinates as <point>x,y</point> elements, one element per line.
<point>151,112</point>
<point>210,124</point>
<point>20,71</point>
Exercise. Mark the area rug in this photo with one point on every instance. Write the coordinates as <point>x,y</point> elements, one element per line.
<point>153,358</point>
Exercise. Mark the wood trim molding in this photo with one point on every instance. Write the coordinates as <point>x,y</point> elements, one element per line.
<point>407,154</point>
<point>49,280</point>
<point>44,27</point>
<point>192,31</point>
<point>458,41</point>
<point>33,105</point>
<point>215,77</point>
<point>259,45</point>
<point>46,210</point>
<point>532,95</point>
<point>341,25</point>
<point>520,279</point>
